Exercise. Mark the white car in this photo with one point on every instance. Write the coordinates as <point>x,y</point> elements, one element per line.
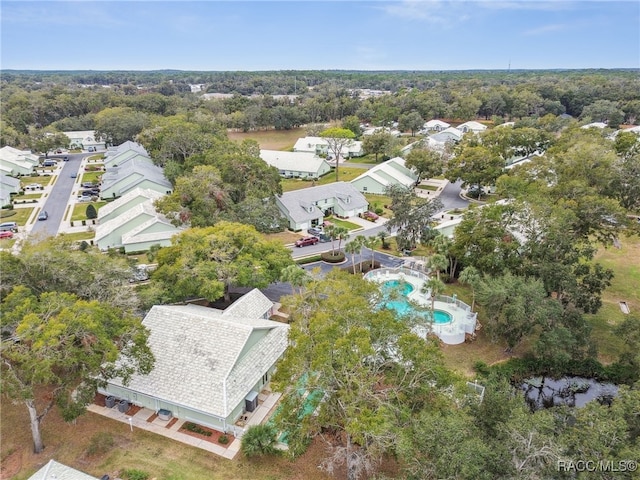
<point>83,199</point>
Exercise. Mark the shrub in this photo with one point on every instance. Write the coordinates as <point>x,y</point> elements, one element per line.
<point>91,212</point>
<point>333,258</point>
<point>100,443</point>
<point>223,439</point>
<point>133,474</point>
<point>379,211</point>
<point>259,440</point>
<point>192,427</point>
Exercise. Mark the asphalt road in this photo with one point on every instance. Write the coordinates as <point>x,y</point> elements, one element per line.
<point>58,198</point>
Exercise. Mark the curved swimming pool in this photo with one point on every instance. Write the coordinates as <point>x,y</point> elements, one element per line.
<point>402,306</point>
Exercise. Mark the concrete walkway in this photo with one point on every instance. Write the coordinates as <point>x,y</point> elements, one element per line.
<point>139,421</point>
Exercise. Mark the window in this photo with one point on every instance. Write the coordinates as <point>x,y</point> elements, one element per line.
<point>364,189</point>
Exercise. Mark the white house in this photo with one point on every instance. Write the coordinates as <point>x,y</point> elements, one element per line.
<point>307,207</point>
<point>318,145</point>
<point>8,186</point>
<point>17,162</point>
<point>600,125</point>
<point>135,173</point>
<point>372,130</point>
<point>84,139</point>
<point>435,125</point>
<point>128,145</point>
<point>126,202</point>
<point>137,229</point>
<point>379,178</point>
<point>210,364</point>
<point>450,134</point>
<point>122,158</point>
<point>296,164</point>
<point>57,471</point>
<point>472,126</point>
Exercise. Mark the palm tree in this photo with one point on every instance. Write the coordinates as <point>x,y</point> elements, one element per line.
<point>471,276</point>
<point>435,287</point>
<point>382,235</point>
<point>341,234</point>
<point>438,262</point>
<point>296,276</point>
<point>352,247</point>
<point>370,243</point>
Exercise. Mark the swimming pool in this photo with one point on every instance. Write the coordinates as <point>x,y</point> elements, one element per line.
<point>403,307</point>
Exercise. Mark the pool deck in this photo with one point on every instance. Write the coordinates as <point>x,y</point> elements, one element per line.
<point>452,333</point>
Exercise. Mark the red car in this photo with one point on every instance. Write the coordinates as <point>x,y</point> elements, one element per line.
<point>304,241</point>
<point>6,234</point>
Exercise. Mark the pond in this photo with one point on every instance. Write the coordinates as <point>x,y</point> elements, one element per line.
<point>546,392</point>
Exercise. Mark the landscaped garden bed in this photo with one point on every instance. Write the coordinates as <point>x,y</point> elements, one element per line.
<point>206,433</point>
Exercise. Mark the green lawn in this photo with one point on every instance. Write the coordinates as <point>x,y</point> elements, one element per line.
<point>368,159</point>
<point>427,187</point>
<point>271,139</point>
<point>43,180</point>
<point>78,236</point>
<point>346,175</point>
<point>27,196</point>
<point>18,215</point>
<point>343,223</point>
<point>379,201</point>
<point>93,177</point>
<point>80,210</point>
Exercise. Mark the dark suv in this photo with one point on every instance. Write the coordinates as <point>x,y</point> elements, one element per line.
<point>304,241</point>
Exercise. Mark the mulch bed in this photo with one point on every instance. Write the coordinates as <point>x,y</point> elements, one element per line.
<point>171,422</point>
<point>152,417</point>
<point>213,438</point>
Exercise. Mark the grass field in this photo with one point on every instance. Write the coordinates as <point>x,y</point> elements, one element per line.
<point>338,222</point>
<point>161,458</point>
<point>625,286</point>
<point>20,215</point>
<point>27,196</point>
<point>346,174</point>
<point>80,210</point>
<point>271,139</point>
<point>93,177</point>
<point>78,236</point>
<point>43,180</point>
<point>379,201</point>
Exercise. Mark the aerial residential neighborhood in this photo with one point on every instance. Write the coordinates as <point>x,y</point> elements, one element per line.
<point>305,240</point>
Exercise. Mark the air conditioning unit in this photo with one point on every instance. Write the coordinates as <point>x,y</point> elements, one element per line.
<point>251,401</point>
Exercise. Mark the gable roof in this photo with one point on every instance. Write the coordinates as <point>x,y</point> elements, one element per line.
<point>205,359</point>
<point>447,134</point>
<point>131,174</point>
<point>57,471</point>
<point>9,183</point>
<point>133,197</point>
<point>144,209</point>
<point>387,173</point>
<point>473,126</point>
<point>436,123</point>
<point>298,202</point>
<point>124,157</point>
<point>308,144</point>
<point>123,147</point>
<point>294,161</point>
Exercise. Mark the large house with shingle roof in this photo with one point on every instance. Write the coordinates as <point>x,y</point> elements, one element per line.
<point>134,226</point>
<point>320,146</point>
<point>207,361</point>
<point>136,173</point>
<point>57,471</point>
<point>17,162</point>
<point>8,186</point>
<point>296,164</point>
<point>306,207</point>
<point>392,172</point>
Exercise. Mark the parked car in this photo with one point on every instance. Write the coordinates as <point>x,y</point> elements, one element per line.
<point>315,231</point>
<point>91,149</point>
<point>305,241</point>
<point>8,227</point>
<point>370,216</point>
<point>74,175</point>
<point>33,186</point>
<point>87,185</point>
<point>84,199</point>
<point>49,163</point>
<point>6,234</point>
<point>43,215</point>
<point>66,159</point>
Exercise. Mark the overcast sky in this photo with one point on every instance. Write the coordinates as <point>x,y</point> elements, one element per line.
<point>355,35</point>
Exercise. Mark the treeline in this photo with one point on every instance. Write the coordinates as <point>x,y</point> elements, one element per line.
<point>63,101</point>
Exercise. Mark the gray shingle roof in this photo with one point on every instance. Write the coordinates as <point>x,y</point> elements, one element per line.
<point>202,353</point>
<point>293,161</point>
<point>57,471</point>
<point>296,201</point>
<point>132,173</point>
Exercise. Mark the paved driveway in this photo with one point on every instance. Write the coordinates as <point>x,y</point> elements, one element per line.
<point>58,198</point>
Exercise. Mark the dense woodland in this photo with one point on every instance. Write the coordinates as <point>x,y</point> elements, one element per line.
<point>386,394</point>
